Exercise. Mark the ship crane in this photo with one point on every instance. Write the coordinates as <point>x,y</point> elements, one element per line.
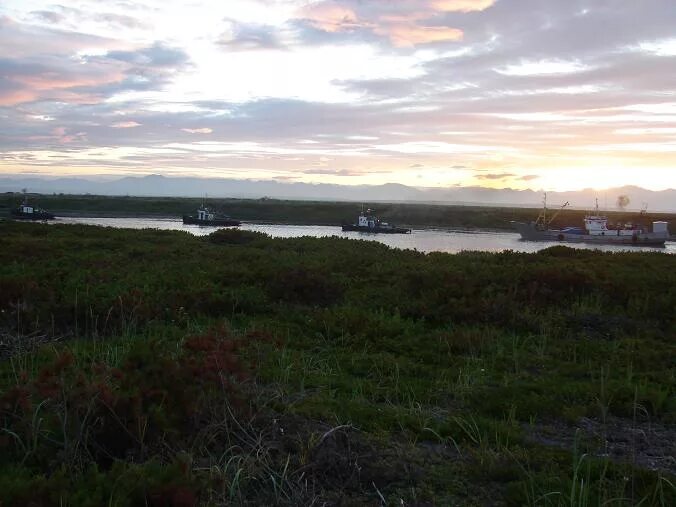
<point>542,222</point>
<point>565,205</point>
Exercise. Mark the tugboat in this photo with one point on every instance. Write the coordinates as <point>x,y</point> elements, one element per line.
<point>206,217</point>
<point>27,212</point>
<point>596,230</point>
<point>367,222</point>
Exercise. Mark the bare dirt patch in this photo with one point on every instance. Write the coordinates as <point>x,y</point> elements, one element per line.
<point>644,444</point>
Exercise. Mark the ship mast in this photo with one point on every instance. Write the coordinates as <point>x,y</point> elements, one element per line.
<point>542,221</point>
<point>542,218</point>
<point>544,210</point>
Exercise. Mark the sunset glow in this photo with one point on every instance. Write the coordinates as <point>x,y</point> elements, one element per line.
<point>541,94</point>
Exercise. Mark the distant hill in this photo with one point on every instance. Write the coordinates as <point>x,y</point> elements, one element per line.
<point>157,185</point>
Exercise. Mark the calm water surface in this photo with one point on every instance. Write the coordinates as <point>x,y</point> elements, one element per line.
<point>424,240</point>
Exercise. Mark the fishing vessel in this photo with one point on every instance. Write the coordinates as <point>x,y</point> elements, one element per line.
<point>26,211</point>
<point>367,222</point>
<point>209,218</point>
<point>595,229</point>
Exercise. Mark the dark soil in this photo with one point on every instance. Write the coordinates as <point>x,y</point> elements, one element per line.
<point>644,444</point>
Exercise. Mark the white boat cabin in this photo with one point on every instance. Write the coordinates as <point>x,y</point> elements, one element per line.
<point>598,226</point>
<point>24,208</point>
<point>366,221</point>
<point>204,214</point>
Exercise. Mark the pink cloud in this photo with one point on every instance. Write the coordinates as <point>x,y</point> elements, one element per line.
<point>21,40</point>
<point>64,85</point>
<point>13,97</point>
<point>408,35</point>
<point>403,24</point>
<point>54,81</point>
<point>330,17</point>
<point>63,137</point>
<point>461,5</point>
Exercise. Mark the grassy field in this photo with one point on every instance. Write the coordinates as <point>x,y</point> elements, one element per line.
<point>158,368</point>
<point>315,212</point>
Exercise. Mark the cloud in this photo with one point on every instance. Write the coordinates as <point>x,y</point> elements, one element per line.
<point>45,79</point>
<point>494,176</point>
<point>64,135</point>
<point>21,40</point>
<point>125,125</point>
<point>120,20</point>
<point>55,65</point>
<point>332,172</point>
<point>542,68</point>
<point>409,35</point>
<point>204,130</point>
<point>158,55</point>
<point>461,5</point>
<point>330,16</point>
<point>377,87</point>
<point>48,16</point>
<point>87,79</point>
<point>250,37</point>
<point>406,26</point>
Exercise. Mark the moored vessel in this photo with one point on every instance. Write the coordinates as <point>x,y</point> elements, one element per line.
<point>27,211</point>
<point>207,217</point>
<point>595,230</point>
<point>367,222</point>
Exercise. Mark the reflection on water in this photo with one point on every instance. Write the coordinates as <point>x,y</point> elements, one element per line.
<point>423,240</point>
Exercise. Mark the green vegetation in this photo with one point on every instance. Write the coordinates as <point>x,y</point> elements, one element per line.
<point>317,212</point>
<point>157,368</point>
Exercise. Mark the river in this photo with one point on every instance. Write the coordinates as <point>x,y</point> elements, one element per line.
<point>423,240</point>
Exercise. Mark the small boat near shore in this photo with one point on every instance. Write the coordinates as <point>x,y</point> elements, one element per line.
<point>595,230</point>
<point>26,211</point>
<point>367,222</point>
<point>207,217</point>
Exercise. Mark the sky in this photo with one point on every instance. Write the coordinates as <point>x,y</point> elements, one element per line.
<point>539,94</point>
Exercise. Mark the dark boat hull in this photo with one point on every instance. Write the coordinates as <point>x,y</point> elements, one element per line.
<point>530,233</point>
<point>216,222</point>
<point>376,230</point>
<point>18,215</point>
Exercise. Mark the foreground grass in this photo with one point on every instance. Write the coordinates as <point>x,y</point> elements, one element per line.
<point>153,367</point>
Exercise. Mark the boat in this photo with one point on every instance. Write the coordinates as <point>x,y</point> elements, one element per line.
<point>26,211</point>
<point>207,217</point>
<point>595,229</point>
<point>367,222</point>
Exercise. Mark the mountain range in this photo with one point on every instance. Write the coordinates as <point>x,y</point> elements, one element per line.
<point>162,186</point>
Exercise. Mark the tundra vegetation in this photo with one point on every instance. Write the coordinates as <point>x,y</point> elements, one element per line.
<point>157,368</point>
